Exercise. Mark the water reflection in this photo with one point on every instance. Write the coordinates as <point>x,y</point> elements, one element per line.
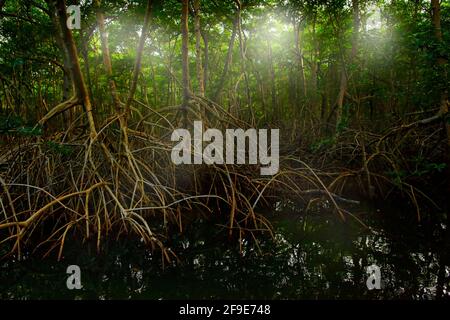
<point>314,256</point>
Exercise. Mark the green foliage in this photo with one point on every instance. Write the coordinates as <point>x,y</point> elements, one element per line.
<point>322,144</point>
<point>58,148</point>
<point>424,167</point>
<point>9,123</point>
<point>14,125</point>
<point>397,176</point>
<point>29,131</point>
<point>345,117</point>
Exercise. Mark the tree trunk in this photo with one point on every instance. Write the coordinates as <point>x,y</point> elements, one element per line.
<point>314,63</point>
<point>442,63</point>
<point>198,51</point>
<point>137,64</point>
<point>301,87</point>
<point>228,58</point>
<point>185,59</point>
<point>205,59</point>
<point>67,81</point>
<point>272,81</point>
<point>344,73</point>
<point>78,81</point>
<point>85,54</point>
<point>123,113</point>
<point>243,62</point>
<point>107,58</point>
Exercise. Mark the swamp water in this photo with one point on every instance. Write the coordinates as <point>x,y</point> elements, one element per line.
<point>313,256</point>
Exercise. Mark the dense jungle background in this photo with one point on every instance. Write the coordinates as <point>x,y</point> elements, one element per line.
<point>357,88</point>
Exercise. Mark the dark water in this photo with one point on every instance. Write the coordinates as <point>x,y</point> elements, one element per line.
<point>313,256</point>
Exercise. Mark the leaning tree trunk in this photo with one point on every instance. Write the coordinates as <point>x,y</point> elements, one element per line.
<point>77,76</point>
<point>67,81</point>
<point>67,88</point>
<point>81,93</point>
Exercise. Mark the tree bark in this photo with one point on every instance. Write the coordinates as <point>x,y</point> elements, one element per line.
<point>205,59</point>
<point>67,81</point>
<point>344,72</point>
<point>301,87</point>
<point>107,58</point>
<point>198,51</point>
<point>87,67</point>
<point>314,63</point>
<point>243,59</point>
<point>185,59</point>
<point>275,110</point>
<point>228,58</point>
<point>137,64</point>
<point>77,76</point>
<point>442,64</point>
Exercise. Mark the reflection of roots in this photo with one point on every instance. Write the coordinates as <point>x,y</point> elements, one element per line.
<point>110,186</point>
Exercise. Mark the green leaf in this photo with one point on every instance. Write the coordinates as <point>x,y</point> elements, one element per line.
<point>30,131</point>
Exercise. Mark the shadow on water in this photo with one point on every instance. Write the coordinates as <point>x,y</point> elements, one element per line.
<point>315,255</point>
